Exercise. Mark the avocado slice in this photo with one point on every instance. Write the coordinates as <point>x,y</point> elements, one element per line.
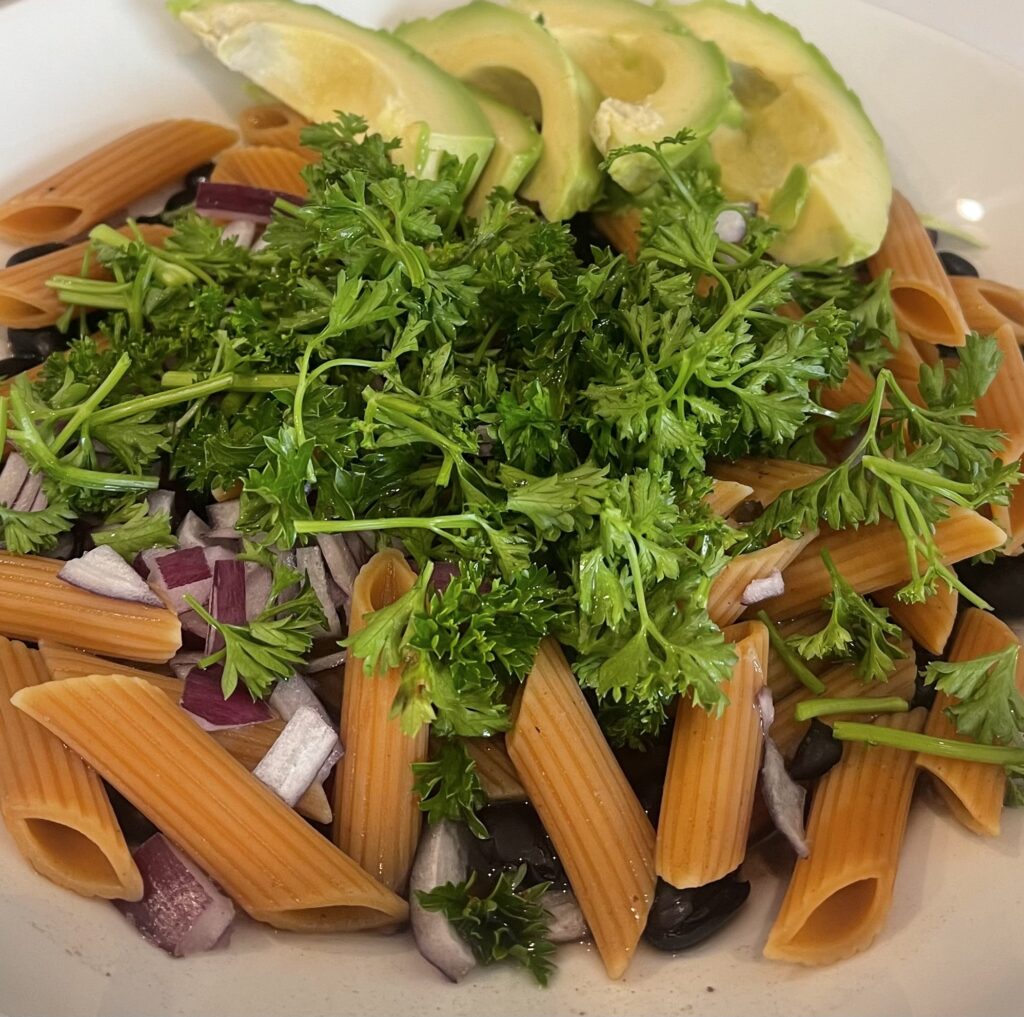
<point>655,77</point>
<point>517,147</point>
<point>318,64</point>
<point>507,55</point>
<point>805,150</point>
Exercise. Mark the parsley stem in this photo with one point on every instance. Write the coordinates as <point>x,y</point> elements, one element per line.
<point>910,741</point>
<point>84,410</point>
<point>436,524</point>
<point>790,658</point>
<point>862,704</point>
<point>146,404</point>
<point>3,424</point>
<point>238,382</point>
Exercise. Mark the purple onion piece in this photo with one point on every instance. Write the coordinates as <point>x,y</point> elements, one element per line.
<point>339,559</point>
<point>258,584</point>
<point>158,502</point>
<point>783,797</point>
<point>238,202</point>
<point>444,572</point>
<point>30,491</point>
<point>181,910</point>
<point>241,231</point>
<point>310,561</point>
<point>443,857</point>
<point>227,600</point>
<point>203,698</point>
<point>772,585</point>
<point>361,546</point>
<point>566,924</point>
<point>731,226</point>
<point>192,532</point>
<point>12,477</point>
<point>327,663</point>
<point>299,752</point>
<point>184,661</point>
<point>187,571</point>
<point>223,516</point>
<point>194,631</point>
<point>102,570</point>
<point>295,694</point>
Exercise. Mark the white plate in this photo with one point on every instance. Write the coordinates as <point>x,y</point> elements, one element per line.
<point>75,74</point>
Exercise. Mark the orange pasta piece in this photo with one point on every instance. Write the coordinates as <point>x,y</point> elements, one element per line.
<point>273,124</point>
<point>1010,519</point>
<point>780,679</point>
<point>495,769</point>
<point>725,603</point>
<point>35,604</point>
<point>712,773</point>
<point>841,682</point>
<point>268,859</point>
<point>929,622</point>
<point>973,791</point>
<point>248,744</point>
<point>55,807</point>
<point>856,387</point>
<point>598,827</point>
<point>726,495</point>
<point>768,477</point>
<point>995,299</point>
<point>277,169</point>
<point>378,818</point>
<point>874,557</point>
<point>25,299</point>
<point>840,895</point>
<point>109,179</point>
<point>622,230</point>
<point>922,295</point>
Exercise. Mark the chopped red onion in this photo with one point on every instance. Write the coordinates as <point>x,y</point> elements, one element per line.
<point>731,226</point>
<point>12,477</point>
<point>310,561</point>
<point>239,202</point>
<point>181,910</point>
<point>145,561</point>
<point>444,572</point>
<point>158,502</point>
<point>188,571</point>
<point>192,532</point>
<point>567,924</point>
<point>223,516</point>
<point>194,631</point>
<point>772,585</point>
<point>30,491</point>
<point>40,501</point>
<point>102,570</point>
<point>184,661</point>
<point>227,600</point>
<point>340,563</point>
<point>204,699</point>
<point>327,663</point>
<point>783,797</point>
<point>361,545</point>
<point>443,857</point>
<point>294,694</point>
<point>299,752</point>
<point>241,231</point>
<point>258,584</point>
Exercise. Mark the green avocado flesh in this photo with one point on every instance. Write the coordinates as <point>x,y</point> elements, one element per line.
<point>318,64</point>
<point>654,77</point>
<point>512,58</point>
<point>804,149</point>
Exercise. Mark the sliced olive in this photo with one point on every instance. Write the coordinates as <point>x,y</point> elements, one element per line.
<point>11,366</point>
<point>999,584</point>
<point>955,265</point>
<point>134,825</point>
<point>645,770</point>
<point>146,220</point>
<point>198,175</point>
<point>36,342</point>
<point>680,919</point>
<point>585,235</point>
<point>816,754</point>
<point>30,253</point>
<point>179,199</point>
<point>933,236</point>
<point>517,837</point>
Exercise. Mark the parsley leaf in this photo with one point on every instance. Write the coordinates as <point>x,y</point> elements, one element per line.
<point>506,924</point>
<point>130,528</point>
<point>448,786</point>
<point>32,532</point>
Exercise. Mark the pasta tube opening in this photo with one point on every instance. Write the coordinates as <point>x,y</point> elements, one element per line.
<point>839,918</point>
<point>39,220</point>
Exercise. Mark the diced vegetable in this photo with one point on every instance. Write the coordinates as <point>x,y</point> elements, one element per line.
<point>12,477</point>
<point>783,796</point>
<point>295,759</point>
<point>227,599</point>
<point>102,570</point>
<point>310,561</point>
<point>238,202</point>
<point>772,585</point>
<point>203,697</point>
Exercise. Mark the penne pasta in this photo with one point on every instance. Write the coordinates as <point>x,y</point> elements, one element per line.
<point>1010,519</point>
<point>598,827</point>
<point>377,816</point>
<point>922,295</point>
<point>54,806</point>
<point>35,604</point>
<point>25,299</point>
<point>855,388</point>
<point>873,557</point>
<point>248,744</point>
<point>276,169</point>
<point>725,496</point>
<point>906,362</point>
<point>929,622</point>
<point>780,679</point>
<point>267,858</point>
<point>725,600</point>
<point>973,791</point>
<point>839,896</point>
<point>495,769</point>
<point>993,299</point>
<point>622,229</point>
<point>712,773</point>
<point>109,179</point>
<point>768,478</point>
<point>273,124</point>
<point>841,682</point>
